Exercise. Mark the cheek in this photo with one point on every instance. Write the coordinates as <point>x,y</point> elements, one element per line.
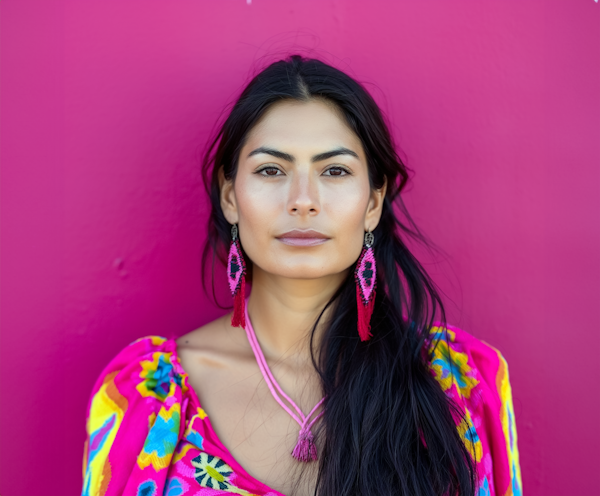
<point>346,207</point>
<point>346,213</point>
<point>259,207</point>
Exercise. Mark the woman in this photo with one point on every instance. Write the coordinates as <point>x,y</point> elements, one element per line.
<point>330,376</point>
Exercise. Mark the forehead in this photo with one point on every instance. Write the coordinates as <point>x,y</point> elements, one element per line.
<point>315,124</point>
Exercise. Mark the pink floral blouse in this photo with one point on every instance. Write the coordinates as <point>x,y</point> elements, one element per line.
<point>147,434</point>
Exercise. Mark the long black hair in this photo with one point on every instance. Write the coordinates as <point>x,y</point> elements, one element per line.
<point>388,428</point>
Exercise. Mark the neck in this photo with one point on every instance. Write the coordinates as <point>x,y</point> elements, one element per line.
<point>283,312</point>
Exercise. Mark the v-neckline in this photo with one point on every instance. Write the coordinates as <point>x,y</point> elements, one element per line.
<point>230,460</point>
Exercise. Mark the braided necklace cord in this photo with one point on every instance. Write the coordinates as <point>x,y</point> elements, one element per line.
<point>305,449</point>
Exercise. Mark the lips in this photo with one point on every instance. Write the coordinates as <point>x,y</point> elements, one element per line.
<point>303,238</point>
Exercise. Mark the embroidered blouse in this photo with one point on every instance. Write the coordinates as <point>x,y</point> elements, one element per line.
<point>147,434</point>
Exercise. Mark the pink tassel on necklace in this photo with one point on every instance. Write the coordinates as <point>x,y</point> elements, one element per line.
<point>305,449</point>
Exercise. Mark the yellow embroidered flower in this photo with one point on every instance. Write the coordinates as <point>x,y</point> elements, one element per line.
<point>162,439</point>
<point>451,367</point>
<point>159,376</point>
<point>469,435</point>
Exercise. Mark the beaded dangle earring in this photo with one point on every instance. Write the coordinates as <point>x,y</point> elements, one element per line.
<point>365,276</point>
<point>236,275</point>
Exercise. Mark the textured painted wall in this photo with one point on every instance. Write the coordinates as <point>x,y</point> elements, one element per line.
<point>107,105</point>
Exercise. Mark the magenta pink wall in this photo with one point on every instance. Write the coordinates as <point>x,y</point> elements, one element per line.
<point>106,105</point>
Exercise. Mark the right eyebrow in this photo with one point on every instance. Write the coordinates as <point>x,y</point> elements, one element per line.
<point>273,152</point>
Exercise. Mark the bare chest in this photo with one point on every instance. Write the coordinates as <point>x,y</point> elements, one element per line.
<point>255,429</point>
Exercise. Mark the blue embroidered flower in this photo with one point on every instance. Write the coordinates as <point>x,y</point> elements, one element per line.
<point>162,439</point>
<point>158,374</point>
<point>468,433</point>
<point>451,366</point>
<point>471,435</point>
<point>445,360</point>
<point>174,487</point>
<point>147,488</point>
<point>195,438</point>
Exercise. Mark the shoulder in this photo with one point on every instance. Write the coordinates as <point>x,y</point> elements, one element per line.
<point>141,379</point>
<point>474,374</point>
<point>470,371</point>
<point>214,345</point>
<point>147,365</point>
<point>213,334</point>
<point>134,414</point>
<point>460,359</point>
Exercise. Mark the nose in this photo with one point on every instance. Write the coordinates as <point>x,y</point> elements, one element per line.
<point>303,195</point>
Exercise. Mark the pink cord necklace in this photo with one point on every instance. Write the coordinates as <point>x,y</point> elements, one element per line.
<point>305,449</point>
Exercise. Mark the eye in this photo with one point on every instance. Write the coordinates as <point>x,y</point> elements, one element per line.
<point>270,171</point>
<point>337,171</point>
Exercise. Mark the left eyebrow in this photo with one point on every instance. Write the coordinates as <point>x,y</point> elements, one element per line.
<point>334,153</point>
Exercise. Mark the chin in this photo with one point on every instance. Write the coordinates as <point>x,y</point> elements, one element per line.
<point>307,271</point>
<point>304,266</point>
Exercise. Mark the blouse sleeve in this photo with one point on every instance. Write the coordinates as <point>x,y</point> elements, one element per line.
<point>475,375</point>
<point>134,419</point>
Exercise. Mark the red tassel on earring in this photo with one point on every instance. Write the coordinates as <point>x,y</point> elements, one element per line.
<point>365,276</point>
<point>236,275</point>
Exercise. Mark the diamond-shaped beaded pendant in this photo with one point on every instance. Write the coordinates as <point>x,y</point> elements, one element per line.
<point>365,276</point>
<point>236,277</point>
<point>235,267</point>
<point>366,272</point>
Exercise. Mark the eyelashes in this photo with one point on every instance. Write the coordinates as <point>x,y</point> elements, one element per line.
<point>264,171</point>
<point>273,171</point>
<point>339,171</point>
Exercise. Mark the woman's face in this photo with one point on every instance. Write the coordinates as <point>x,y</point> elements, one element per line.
<point>301,196</point>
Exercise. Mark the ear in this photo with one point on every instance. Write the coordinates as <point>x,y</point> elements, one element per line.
<point>375,207</point>
<point>228,199</point>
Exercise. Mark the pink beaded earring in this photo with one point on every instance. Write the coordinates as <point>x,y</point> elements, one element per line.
<point>365,276</point>
<point>236,275</point>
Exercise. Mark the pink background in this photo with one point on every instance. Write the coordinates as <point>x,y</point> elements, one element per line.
<point>106,106</point>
